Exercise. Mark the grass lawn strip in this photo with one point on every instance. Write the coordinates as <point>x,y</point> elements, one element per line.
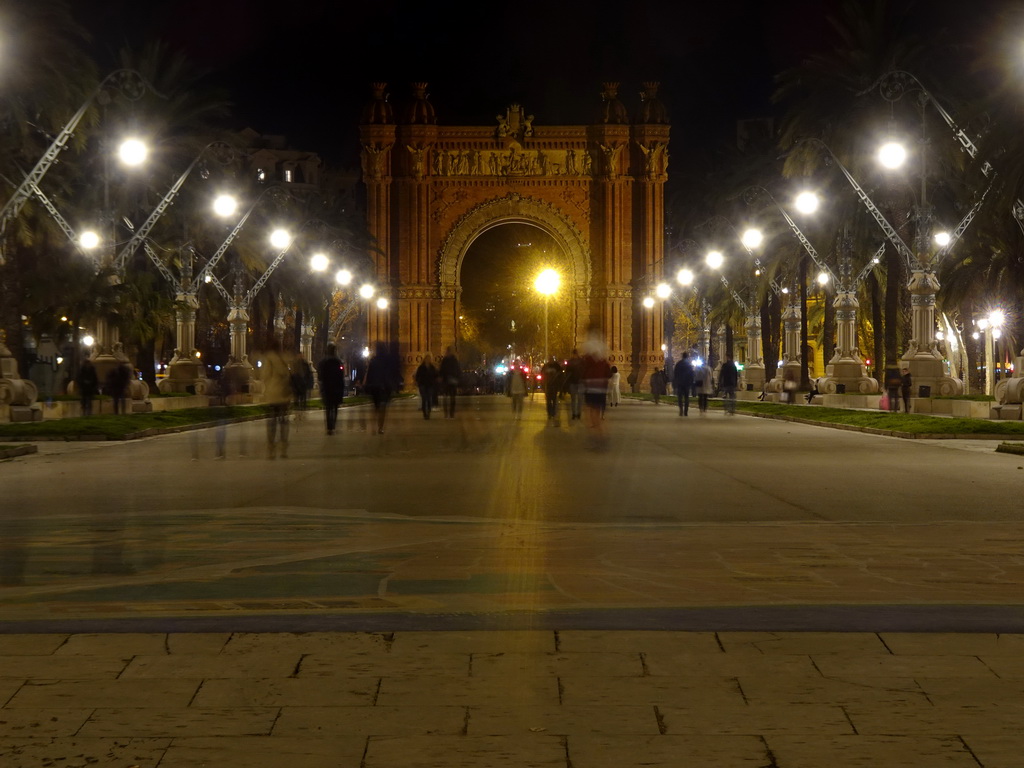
<point>883,423</point>
<point>875,422</point>
<point>135,425</point>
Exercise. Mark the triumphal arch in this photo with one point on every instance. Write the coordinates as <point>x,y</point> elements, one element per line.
<point>597,190</point>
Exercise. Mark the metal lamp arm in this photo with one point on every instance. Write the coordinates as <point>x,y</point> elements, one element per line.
<point>12,208</point>
<point>877,215</point>
<point>57,217</point>
<point>870,266</point>
<point>219,253</point>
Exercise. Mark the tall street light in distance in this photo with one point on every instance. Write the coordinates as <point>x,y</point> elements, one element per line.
<point>546,284</point>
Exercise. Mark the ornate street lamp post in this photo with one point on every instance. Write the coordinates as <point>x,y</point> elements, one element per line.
<point>546,284</point>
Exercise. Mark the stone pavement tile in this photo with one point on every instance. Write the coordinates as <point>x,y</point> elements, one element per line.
<point>937,720</point>
<point>263,752</point>
<point>104,693</point>
<point>996,750</point>
<point>81,753</point>
<point>320,722</point>
<point>668,751</point>
<point>802,643</point>
<point>114,644</point>
<point>280,692</point>
<point>381,664</point>
<point>594,641</point>
<point>8,687</point>
<point>755,719</point>
<point>852,666</point>
<point>496,720</point>
<point>321,643</point>
<point>236,721</point>
<point>727,664</point>
<point>560,664</point>
<point>964,690</point>
<point>809,751</point>
<point>467,691</point>
<point>197,643</point>
<point>518,641</point>
<point>663,691</point>
<point>30,645</point>
<point>23,723</point>
<point>61,667</point>
<point>465,752</point>
<point>815,689</point>
<point>953,644</point>
<point>254,665</point>
<point>1007,667</point>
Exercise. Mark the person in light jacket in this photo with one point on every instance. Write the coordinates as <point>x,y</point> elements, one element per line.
<point>614,395</point>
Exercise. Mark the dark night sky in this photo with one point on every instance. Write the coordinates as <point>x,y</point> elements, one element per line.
<point>303,68</point>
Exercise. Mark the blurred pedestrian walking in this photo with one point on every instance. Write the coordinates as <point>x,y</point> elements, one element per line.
<point>382,380</point>
<point>596,372</point>
<point>517,391</point>
<point>331,373</point>
<point>906,383</point>
<point>275,374</point>
<point>426,381</point>
<point>614,382</point>
<point>88,384</point>
<point>302,382</point>
<point>551,378</point>
<point>659,385</point>
<point>893,384</point>
<point>451,373</point>
<point>728,381</point>
<point>682,383</point>
<point>118,381</point>
<point>705,386</point>
<point>574,385</point>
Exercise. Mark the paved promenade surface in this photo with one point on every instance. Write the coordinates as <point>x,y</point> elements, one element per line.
<point>481,592</point>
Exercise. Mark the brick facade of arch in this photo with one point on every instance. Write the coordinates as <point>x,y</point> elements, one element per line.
<point>598,190</point>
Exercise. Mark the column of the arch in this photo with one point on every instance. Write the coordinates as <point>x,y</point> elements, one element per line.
<point>649,171</point>
<point>413,275</point>
<point>611,222</point>
<point>378,142</point>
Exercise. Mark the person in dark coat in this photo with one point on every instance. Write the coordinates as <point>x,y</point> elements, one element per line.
<point>659,385</point>
<point>332,386</point>
<point>906,382</point>
<point>451,373</point>
<point>426,382</point>
<point>551,374</point>
<point>381,381</point>
<point>893,382</point>
<point>728,381</point>
<point>574,385</point>
<point>682,383</point>
<point>117,386</point>
<point>302,382</point>
<point>88,384</point>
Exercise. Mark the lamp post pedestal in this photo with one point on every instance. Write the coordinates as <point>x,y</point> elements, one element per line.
<point>17,395</point>
<point>1010,392</point>
<point>923,358</point>
<point>185,372</point>
<point>846,369</point>
<point>790,370</point>
<point>753,369</point>
<point>238,373</point>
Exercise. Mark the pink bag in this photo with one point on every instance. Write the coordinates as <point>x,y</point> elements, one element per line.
<point>883,404</point>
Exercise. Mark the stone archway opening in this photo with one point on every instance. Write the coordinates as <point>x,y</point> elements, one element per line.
<point>501,315</point>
